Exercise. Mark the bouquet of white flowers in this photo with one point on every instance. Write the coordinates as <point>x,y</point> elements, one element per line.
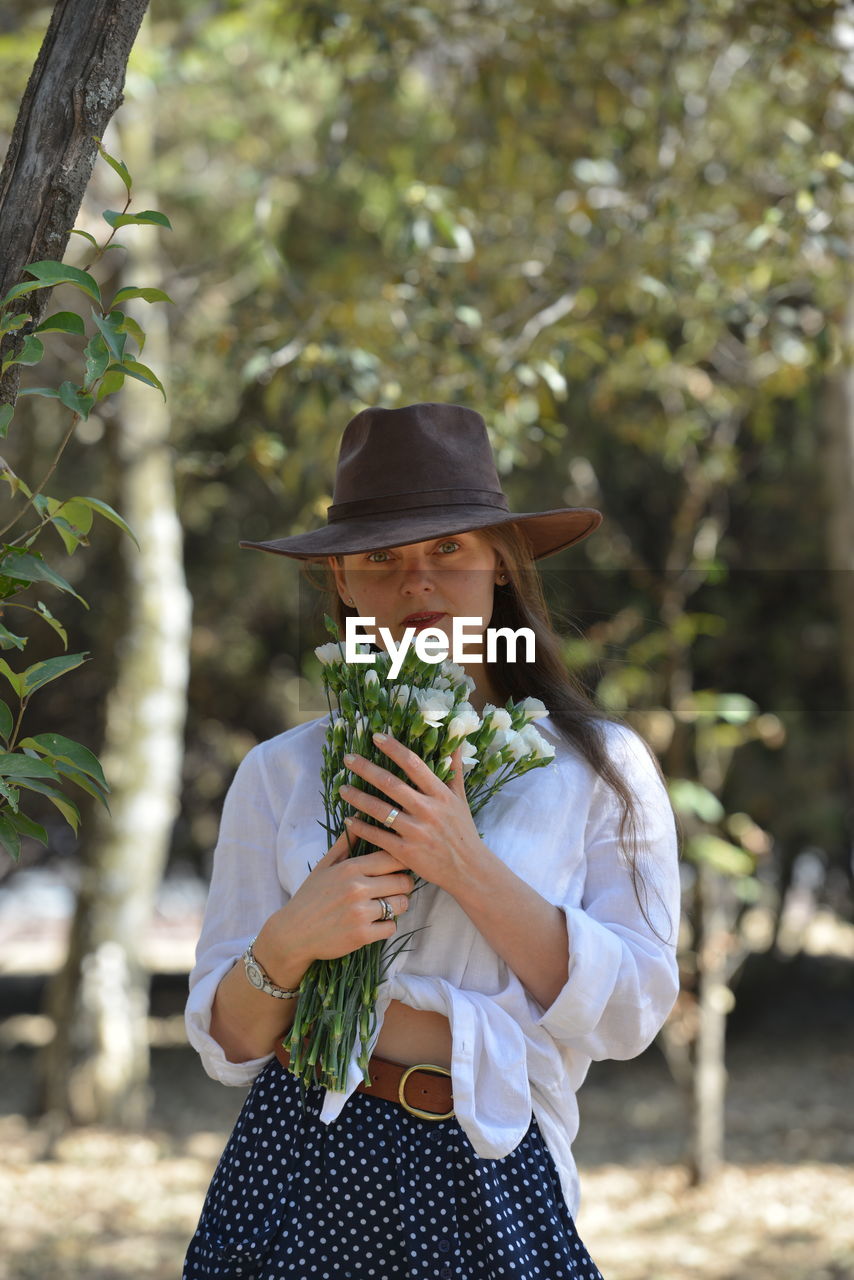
<point>425,707</point>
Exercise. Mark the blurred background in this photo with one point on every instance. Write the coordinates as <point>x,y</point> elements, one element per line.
<point>623,233</point>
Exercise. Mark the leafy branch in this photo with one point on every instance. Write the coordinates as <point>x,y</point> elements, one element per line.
<point>114,341</point>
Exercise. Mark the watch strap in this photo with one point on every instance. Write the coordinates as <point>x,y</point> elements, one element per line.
<point>268,986</point>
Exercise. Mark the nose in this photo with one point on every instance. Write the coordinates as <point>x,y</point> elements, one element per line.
<point>416,581</point>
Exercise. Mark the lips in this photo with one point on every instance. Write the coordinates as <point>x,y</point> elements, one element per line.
<point>421,620</point>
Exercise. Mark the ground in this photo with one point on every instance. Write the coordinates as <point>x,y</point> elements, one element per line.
<point>116,1207</point>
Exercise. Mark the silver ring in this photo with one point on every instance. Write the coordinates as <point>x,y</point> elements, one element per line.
<point>387,914</point>
<point>389,821</point>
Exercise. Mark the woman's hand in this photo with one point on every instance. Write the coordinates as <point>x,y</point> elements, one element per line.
<point>336,909</point>
<point>434,833</point>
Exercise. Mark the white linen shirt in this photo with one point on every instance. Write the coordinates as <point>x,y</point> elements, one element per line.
<point>557,828</point>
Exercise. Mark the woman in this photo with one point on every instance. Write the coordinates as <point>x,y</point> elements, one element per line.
<point>544,942</point>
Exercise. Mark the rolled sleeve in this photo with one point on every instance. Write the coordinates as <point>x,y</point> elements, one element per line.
<point>623,977</point>
<point>244,891</point>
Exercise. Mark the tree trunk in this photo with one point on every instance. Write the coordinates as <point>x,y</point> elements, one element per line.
<point>75,87</point>
<point>714,1001</point>
<point>96,1069</point>
<point>838,454</point>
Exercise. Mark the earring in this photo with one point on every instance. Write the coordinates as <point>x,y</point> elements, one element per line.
<point>502,579</point>
<point>350,600</point>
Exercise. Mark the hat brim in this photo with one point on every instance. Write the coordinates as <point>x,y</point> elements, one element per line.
<point>547,531</point>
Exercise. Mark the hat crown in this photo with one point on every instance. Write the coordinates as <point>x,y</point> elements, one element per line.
<point>417,449</point>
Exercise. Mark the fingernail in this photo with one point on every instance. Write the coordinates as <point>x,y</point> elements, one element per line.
<point>377,737</point>
<point>348,822</point>
<point>349,759</point>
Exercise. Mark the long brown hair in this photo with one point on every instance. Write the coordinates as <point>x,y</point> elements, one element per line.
<point>520,602</point>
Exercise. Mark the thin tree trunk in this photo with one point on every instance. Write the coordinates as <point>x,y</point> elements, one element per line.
<point>838,454</point>
<point>75,87</point>
<point>714,1000</point>
<point>97,1067</point>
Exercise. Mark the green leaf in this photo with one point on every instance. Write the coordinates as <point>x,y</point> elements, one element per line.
<point>109,385</point>
<point>75,231</point>
<point>97,355</point>
<point>85,782</point>
<point>10,324</point>
<point>29,568</point>
<point>50,273</point>
<point>72,520</point>
<point>70,538</point>
<point>75,399</point>
<point>9,838</point>
<point>66,807</point>
<point>6,411</point>
<point>63,322</point>
<point>141,372</point>
<point>108,513</point>
<point>14,764</point>
<point>56,747</point>
<point>53,623</point>
<point>42,611</point>
<point>112,334</point>
<point>7,722</point>
<point>32,352</point>
<point>43,672</point>
<point>118,165</point>
<point>27,827</point>
<point>10,794</point>
<point>10,641</point>
<point>146,218</point>
<point>51,392</point>
<point>147,295</point>
<point>15,679</point>
<point>136,331</point>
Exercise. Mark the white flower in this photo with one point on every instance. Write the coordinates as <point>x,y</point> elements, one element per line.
<point>330,653</point>
<point>468,756</point>
<point>456,674</point>
<point>533,709</point>
<point>497,717</point>
<point>535,744</point>
<point>371,676</point>
<point>435,705</point>
<point>403,694</point>
<point>499,742</point>
<point>516,744</point>
<point>465,721</point>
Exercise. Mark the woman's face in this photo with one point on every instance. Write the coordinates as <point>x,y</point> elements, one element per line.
<point>422,584</point>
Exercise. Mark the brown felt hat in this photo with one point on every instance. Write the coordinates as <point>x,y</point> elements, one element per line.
<point>411,474</point>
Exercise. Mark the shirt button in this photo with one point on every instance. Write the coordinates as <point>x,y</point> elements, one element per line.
<point>444,1246</point>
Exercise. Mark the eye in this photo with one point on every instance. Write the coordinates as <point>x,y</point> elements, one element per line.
<point>450,543</point>
<point>377,553</point>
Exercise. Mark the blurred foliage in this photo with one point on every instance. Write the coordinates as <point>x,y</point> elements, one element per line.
<point>621,231</point>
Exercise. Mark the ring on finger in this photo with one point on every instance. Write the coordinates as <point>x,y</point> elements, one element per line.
<point>388,913</point>
<point>392,815</point>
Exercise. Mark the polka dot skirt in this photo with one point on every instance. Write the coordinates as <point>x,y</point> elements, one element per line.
<point>378,1193</point>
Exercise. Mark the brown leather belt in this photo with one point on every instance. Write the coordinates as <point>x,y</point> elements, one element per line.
<point>423,1090</point>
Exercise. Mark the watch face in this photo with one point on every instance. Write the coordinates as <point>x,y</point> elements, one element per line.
<point>254,974</point>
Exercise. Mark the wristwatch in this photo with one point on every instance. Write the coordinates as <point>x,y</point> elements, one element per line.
<point>260,979</point>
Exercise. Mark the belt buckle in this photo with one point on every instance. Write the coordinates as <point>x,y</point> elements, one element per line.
<point>417,1111</point>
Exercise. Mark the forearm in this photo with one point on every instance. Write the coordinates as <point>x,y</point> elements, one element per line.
<point>247,1022</point>
<point>528,932</point>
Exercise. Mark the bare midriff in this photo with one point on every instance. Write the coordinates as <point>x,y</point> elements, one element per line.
<point>412,1035</point>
